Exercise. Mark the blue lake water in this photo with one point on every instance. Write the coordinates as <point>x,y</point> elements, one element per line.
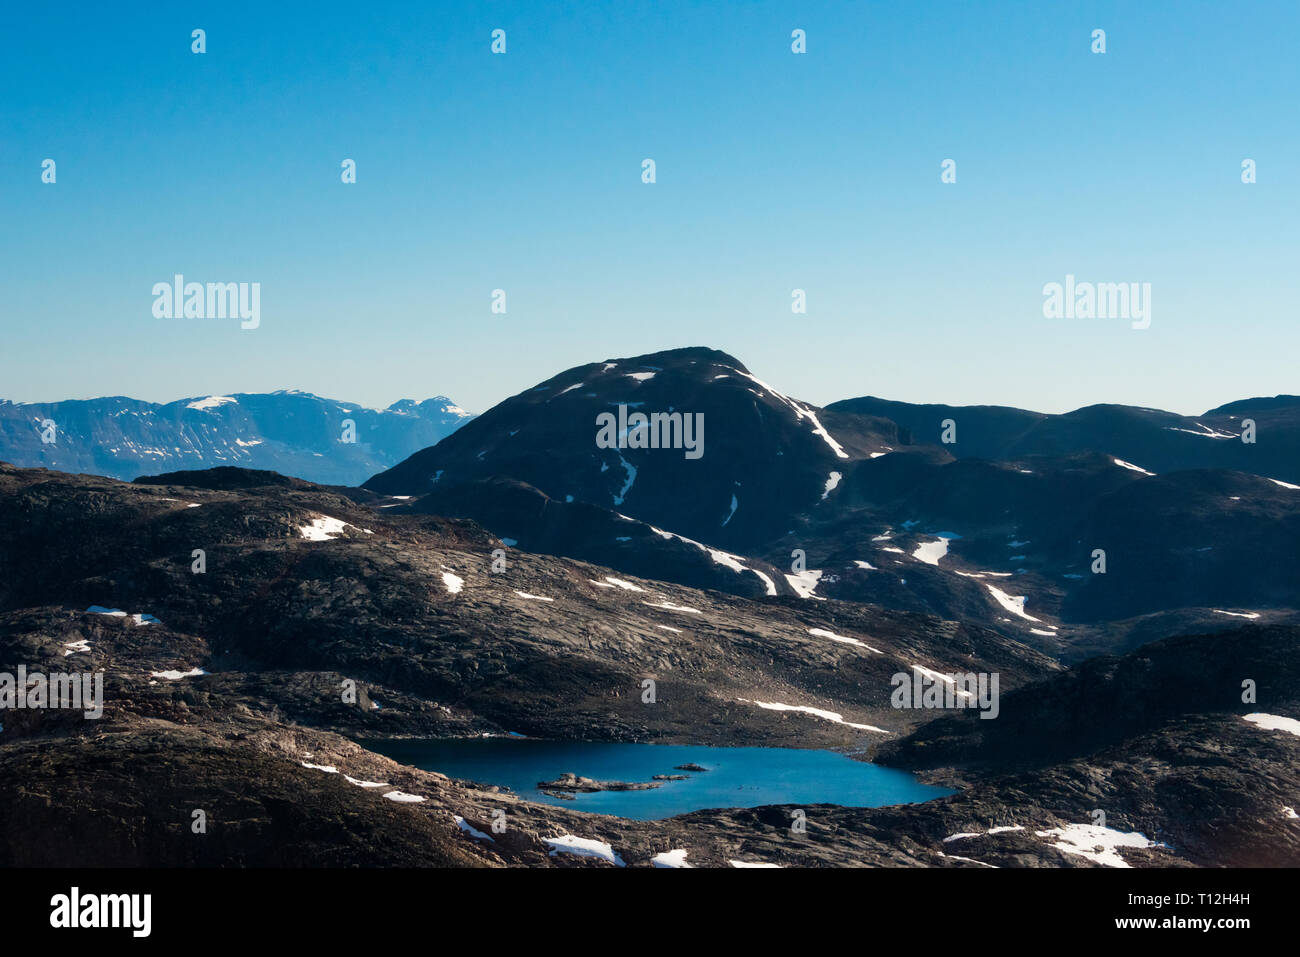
<point>737,777</point>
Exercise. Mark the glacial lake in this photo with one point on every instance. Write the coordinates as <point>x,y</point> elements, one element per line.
<point>737,777</point>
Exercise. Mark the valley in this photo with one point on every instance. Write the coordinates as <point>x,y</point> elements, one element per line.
<point>330,683</point>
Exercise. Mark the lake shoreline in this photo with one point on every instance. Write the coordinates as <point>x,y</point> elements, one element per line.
<point>640,781</point>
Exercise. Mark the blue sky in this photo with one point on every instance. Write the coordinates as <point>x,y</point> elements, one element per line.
<point>775,171</point>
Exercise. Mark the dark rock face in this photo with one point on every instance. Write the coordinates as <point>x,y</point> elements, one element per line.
<point>1190,547</point>
<point>1158,441</point>
<point>537,523</point>
<point>294,433</point>
<point>411,603</point>
<point>769,454</point>
<point>1159,740</point>
<point>1032,498</point>
<point>1103,702</point>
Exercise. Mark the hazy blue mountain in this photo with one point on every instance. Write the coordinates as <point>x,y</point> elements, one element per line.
<point>294,433</point>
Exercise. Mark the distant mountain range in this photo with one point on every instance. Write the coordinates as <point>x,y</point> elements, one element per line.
<point>294,433</point>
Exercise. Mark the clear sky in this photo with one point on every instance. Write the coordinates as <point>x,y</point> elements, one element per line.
<point>818,171</point>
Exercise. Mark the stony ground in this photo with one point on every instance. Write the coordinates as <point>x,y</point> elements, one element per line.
<point>280,622</point>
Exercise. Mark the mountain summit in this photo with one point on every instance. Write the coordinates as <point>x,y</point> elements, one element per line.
<point>745,458</point>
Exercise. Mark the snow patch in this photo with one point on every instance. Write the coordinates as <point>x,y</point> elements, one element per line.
<point>1015,605</point>
<point>1129,465</point>
<point>674,858</point>
<point>945,679</point>
<point>735,504</point>
<point>619,583</point>
<point>801,412</point>
<point>815,712</point>
<point>471,830</point>
<point>931,552</point>
<point>366,784</point>
<point>1206,433</point>
<point>211,402</point>
<point>322,529</point>
<point>139,618</point>
<point>583,847</point>
<point>832,481</point>
<point>1096,843</point>
<point>1273,722</point>
<point>725,559</point>
<point>823,633</point>
<point>627,486</point>
<point>177,675</point>
<point>671,607</point>
<point>805,583</point>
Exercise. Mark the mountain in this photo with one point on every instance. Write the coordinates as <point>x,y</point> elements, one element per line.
<point>1166,740</point>
<point>294,433</point>
<point>763,456</point>
<point>1019,545</point>
<point>845,503</point>
<point>1155,440</point>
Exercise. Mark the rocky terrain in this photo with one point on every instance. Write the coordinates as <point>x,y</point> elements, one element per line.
<point>254,630</point>
<point>410,605</point>
<point>881,511</point>
<point>263,742</point>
